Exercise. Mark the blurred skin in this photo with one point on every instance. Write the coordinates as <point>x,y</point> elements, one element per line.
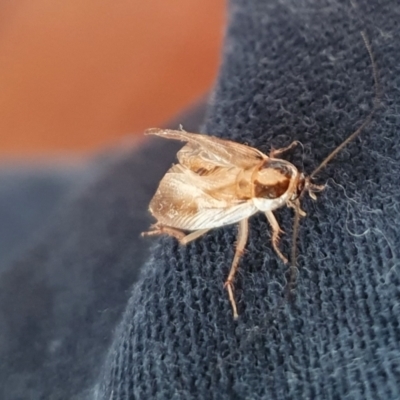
<point>78,74</point>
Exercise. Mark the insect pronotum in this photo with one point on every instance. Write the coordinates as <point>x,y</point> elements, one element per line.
<point>219,182</point>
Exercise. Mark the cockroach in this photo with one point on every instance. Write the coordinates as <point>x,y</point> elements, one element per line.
<point>220,182</point>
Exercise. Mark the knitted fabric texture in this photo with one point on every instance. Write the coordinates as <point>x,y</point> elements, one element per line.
<point>292,70</point>
<point>62,297</point>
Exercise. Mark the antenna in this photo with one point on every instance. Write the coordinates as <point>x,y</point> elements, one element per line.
<point>296,223</point>
<point>377,101</point>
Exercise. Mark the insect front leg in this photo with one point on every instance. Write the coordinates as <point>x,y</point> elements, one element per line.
<point>278,152</point>
<point>243,234</point>
<point>276,231</point>
<point>312,188</point>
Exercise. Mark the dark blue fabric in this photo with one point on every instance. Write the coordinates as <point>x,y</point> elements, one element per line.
<point>61,299</point>
<point>291,70</point>
<point>29,196</point>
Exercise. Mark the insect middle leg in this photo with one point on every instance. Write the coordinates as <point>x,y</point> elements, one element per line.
<point>276,231</point>
<point>243,234</point>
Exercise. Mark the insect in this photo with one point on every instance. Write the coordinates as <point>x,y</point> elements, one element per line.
<point>220,182</point>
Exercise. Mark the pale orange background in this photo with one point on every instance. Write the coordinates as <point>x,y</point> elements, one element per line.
<point>75,75</point>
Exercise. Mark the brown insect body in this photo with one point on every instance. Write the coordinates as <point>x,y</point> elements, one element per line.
<point>219,182</point>
<point>209,188</point>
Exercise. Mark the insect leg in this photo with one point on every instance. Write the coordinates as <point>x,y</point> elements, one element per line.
<point>159,229</point>
<point>312,188</point>
<point>193,236</point>
<point>276,231</point>
<point>243,233</point>
<point>278,152</point>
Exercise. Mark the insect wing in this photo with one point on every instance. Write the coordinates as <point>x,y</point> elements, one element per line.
<point>210,150</point>
<point>185,200</point>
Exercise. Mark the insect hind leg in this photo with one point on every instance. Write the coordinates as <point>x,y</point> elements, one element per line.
<point>159,229</point>
<point>193,236</point>
<point>182,237</point>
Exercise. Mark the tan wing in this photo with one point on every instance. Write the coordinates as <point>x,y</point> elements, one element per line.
<point>203,151</point>
<point>185,200</point>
